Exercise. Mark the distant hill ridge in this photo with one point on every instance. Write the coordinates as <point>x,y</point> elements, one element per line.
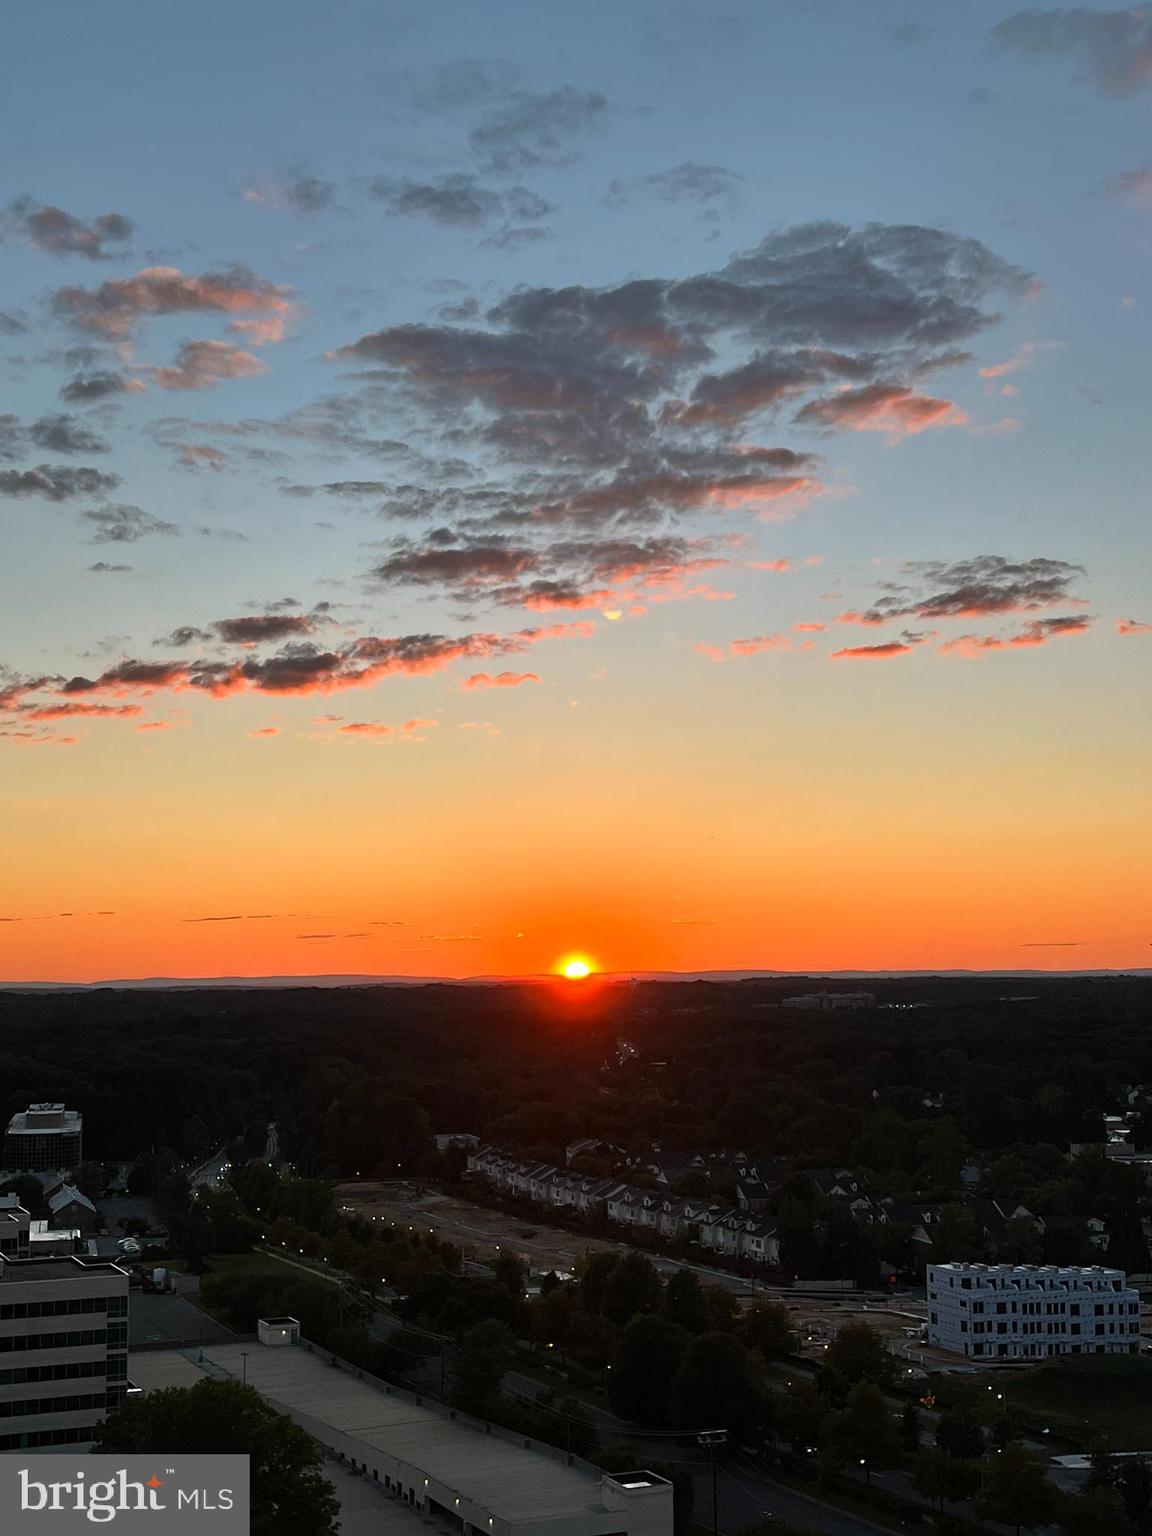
<point>179,983</point>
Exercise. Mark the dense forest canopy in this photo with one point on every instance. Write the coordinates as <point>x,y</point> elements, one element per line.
<point>359,1078</point>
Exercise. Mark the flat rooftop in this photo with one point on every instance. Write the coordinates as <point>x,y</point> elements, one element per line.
<point>513,1483</point>
<point>68,1266</point>
<point>39,1119</point>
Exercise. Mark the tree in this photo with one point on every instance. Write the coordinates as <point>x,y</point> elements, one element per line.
<point>800,1249</point>
<point>766,1327</point>
<point>29,1192</point>
<point>685,1302</point>
<point>509,1272</point>
<point>191,1236</point>
<point>865,1432</point>
<point>650,1353</point>
<point>718,1387</point>
<point>802,1416</point>
<point>1095,1510</point>
<point>594,1278</point>
<point>941,1152</point>
<point>958,1434</point>
<point>910,1427</point>
<point>480,1362</point>
<point>1016,1490</point>
<point>956,1236</point>
<point>942,1479</point>
<point>1023,1241</point>
<point>858,1353</point>
<point>1134,1482</point>
<point>290,1495</point>
<point>551,1314</point>
<point>91,1179</point>
<point>633,1286</point>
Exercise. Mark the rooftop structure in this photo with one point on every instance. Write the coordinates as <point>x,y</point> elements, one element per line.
<point>1028,1312</point>
<point>488,1481</point>
<point>42,1139</point>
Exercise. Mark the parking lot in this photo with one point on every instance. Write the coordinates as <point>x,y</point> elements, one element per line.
<point>157,1320</point>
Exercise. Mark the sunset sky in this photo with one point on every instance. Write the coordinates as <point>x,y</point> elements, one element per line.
<point>482,483</point>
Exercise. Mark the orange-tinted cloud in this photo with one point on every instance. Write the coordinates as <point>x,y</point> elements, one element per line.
<point>202,456</point>
<point>204,364</point>
<point>114,308</point>
<point>1132,627</point>
<point>871,652</point>
<point>266,730</point>
<point>500,680</point>
<point>803,629</point>
<point>891,408</point>
<point>68,711</point>
<point>301,669</point>
<point>750,647</point>
<point>1037,632</point>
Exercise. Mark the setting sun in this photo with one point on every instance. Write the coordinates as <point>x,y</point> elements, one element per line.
<point>576,969</point>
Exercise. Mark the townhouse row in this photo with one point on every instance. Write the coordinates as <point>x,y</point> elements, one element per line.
<point>715,1226</point>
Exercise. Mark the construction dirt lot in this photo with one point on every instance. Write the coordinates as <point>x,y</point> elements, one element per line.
<point>482,1233</point>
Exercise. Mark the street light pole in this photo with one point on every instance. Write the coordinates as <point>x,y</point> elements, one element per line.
<point>244,1366</point>
<point>711,1438</point>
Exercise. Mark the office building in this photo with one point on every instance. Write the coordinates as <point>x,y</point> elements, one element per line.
<point>63,1349</point>
<point>44,1138</point>
<point>1028,1311</point>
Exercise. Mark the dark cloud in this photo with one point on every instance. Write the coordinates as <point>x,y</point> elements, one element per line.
<point>123,524</point>
<point>260,628</point>
<point>334,426</point>
<point>301,668</point>
<point>54,433</point>
<point>250,629</point>
<point>1112,47</point>
<point>102,568</point>
<point>56,482</point>
<point>1135,185</point>
<point>301,192</point>
<point>61,433</point>
<point>513,237</point>
<point>186,634</point>
<point>584,369</point>
<point>528,129</point>
<point>712,187</point>
<point>466,83</point>
<point>11,325</point>
<point>575,573</point>
<point>987,584</point>
<point>606,405</point>
<point>465,309</point>
<point>457,201</point>
<point>59,233</point>
<point>910,32</point>
<point>87,388</point>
